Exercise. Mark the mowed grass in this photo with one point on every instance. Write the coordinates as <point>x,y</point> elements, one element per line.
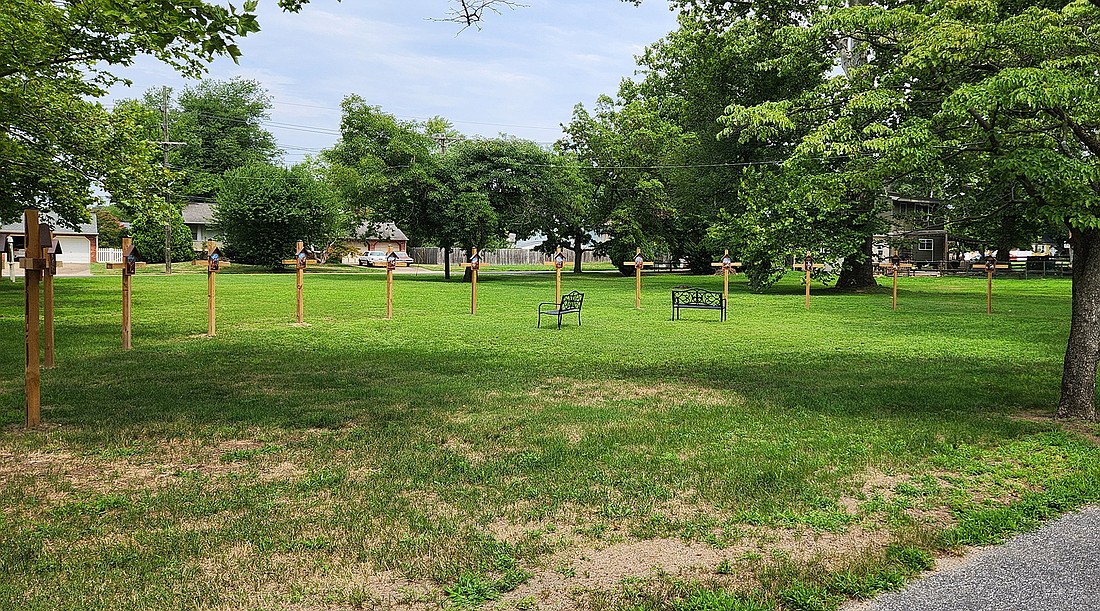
<point>783,459</point>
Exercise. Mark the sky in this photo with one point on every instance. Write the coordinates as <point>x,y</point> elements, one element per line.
<point>520,74</point>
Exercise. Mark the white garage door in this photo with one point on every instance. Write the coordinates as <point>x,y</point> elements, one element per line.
<point>75,249</point>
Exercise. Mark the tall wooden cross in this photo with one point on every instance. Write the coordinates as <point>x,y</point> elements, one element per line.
<point>558,262</point>
<point>51,247</point>
<point>391,264</point>
<point>32,264</point>
<point>991,266</point>
<point>474,264</point>
<point>9,250</point>
<point>639,263</point>
<point>301,259</point>
<point>808,266</point>
<point>129,267</point>
<point>213,262</point>
<point>727,265</point>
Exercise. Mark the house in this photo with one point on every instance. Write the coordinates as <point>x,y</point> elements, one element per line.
<point>375,236</point>
<point>199,218</point>
<point>78,246</point>
<point>917,231</point>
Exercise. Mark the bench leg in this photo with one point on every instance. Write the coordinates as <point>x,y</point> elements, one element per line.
<point>539,326</point>
<point>559,322</point>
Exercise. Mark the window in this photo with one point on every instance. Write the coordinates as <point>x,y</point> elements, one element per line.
<point>925,244</point>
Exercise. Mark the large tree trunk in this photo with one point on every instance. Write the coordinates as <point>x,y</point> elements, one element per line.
<point>858,271</point>
<point>1083,349</point>
<point>578,252</point>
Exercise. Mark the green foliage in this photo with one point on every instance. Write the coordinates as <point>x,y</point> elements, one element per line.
<point>263,210</point>
<point>147,230</point>
<point>384,169</point>
<point>499,185</point>
<point>55,144</point>
<point>111,230</point>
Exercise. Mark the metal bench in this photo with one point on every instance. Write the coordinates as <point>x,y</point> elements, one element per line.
<point>570,302</point>
<point>697,299</point>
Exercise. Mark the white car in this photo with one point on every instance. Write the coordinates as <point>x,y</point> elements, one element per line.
<point>372,258</point>
<point>377,257</point>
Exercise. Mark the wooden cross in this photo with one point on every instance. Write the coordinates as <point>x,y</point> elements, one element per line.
<point>391,264</point>
<point>129,266</point>
<point>808,265</point>
<point>474,264</point>
<point>9,250</point>
<point>991,266</point>
<point>32,264</point>
<point>300,261</point>
<point>639,263</point>
<point>213,262</point>
<point>558,262</point>
<point>727,264</point>
<point>51,247</point>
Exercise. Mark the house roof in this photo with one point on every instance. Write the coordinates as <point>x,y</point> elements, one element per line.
<point>198,213</point>
<point>380,231</point>
<point>59,228</point>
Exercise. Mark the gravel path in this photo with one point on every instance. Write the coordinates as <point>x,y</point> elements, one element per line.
<point>1055,568</point>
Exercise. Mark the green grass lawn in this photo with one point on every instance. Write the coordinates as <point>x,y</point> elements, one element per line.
<point>783,459</point>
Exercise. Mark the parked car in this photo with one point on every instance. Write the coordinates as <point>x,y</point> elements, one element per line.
<point>372,258</point>
<point>378,257</point>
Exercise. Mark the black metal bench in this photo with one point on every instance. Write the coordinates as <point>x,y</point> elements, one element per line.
<point>697,299</point>
<point>570,302</point>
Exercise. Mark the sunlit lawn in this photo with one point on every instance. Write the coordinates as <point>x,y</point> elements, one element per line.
<point>782,459</point>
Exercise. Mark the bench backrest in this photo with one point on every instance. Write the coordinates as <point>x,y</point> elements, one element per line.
<point>571,301</point>
<point>694,296</point>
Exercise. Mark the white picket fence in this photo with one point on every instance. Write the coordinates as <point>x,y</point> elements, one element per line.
<point>108,255</point>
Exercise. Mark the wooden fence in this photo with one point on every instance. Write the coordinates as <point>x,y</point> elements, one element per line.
<point>500,256</point>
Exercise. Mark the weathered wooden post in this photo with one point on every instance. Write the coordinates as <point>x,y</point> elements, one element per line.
<point>808,266</point>
<point>391,264</point>
<point>32,264</point>
<point>474,264</point>
<point>727,264</point>
<point>639,263</point>
<point>51,247</point>
<point>9,252</point>
<point>129,266</point>
<point>301,259</point>
<point>213,262</point>
<point>558,262</point>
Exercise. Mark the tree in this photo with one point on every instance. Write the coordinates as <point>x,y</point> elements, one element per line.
<point>718,56</point>
<point>499,186</point>
<point>632,155</point>
<point>264,209</point>
<point>386,170</point>
<point>221,124</point>
<point>111,230</point>
<point>569,216</point>
<point>147,230</point>
<point>958,86</point>
<point>55,143</point>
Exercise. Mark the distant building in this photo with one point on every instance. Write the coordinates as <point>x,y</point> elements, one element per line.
<point>199,218</point>
<point>375,236</point>
<point>917,231</point>
<point>78,246</point>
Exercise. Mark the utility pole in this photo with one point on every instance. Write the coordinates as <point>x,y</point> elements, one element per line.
<point>165,144</point>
